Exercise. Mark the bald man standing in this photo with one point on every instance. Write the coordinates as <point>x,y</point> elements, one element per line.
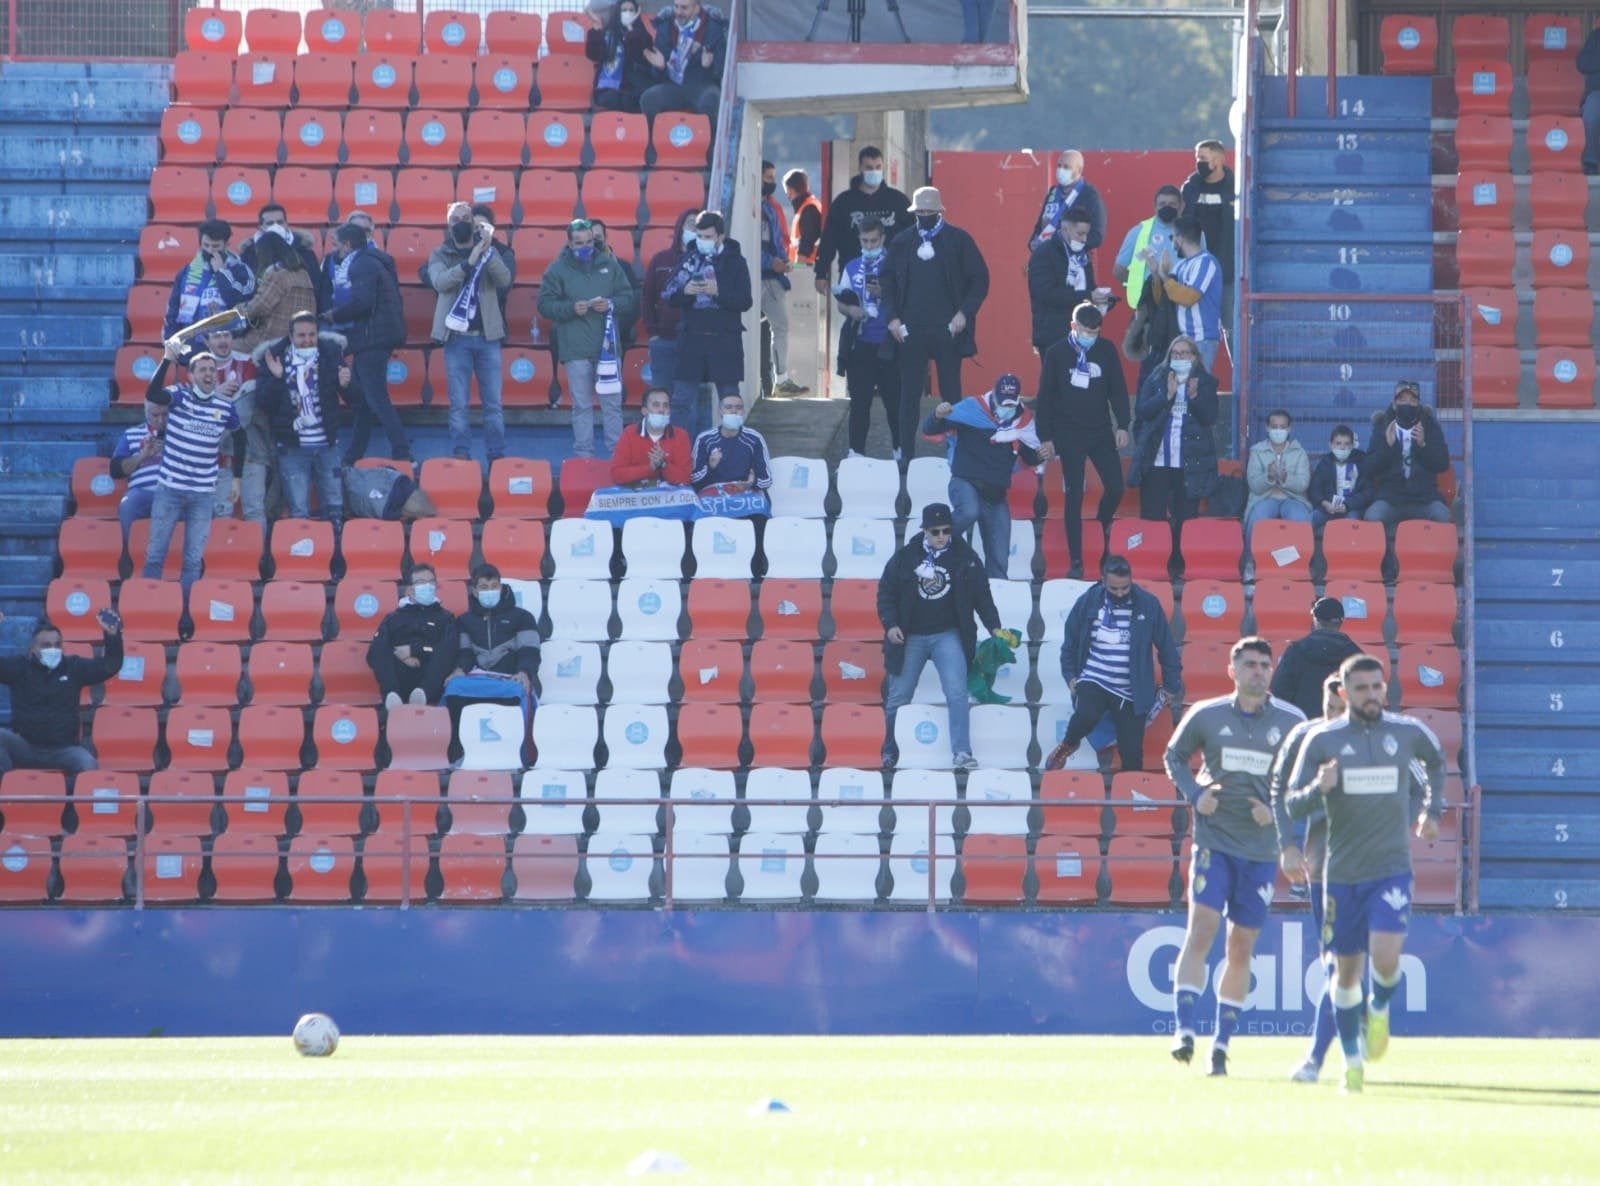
<point>1070,192</point>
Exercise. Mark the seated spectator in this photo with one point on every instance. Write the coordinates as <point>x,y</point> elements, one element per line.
<point>1339,487</point>
<point>284,286</point>
<point>137,458</point>
<point>496,634</point>
<point>298,394</point>
<point>214,280</point>
<point>617,45</point>
<point>1403,466</point>
<point>272,222</point>
<point>988,435</point>
<point>1278,473</point>
<point>200,427</point>
<point>46,687</point>
<point>686,61</point>
<point>657,453</point>
<point>414,650</point>
<point>731,456</point>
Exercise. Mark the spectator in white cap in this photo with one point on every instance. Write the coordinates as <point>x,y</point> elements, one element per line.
<point>934,281</point>
<point>987,434</point>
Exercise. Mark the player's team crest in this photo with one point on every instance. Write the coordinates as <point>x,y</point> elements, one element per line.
<point>1202,858</point>
<point>1274,735</point>
<point>1390,745</point>
<point>1199,883</point>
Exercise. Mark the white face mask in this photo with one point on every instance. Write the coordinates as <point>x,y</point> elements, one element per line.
<point>488,598</point>
<point>705,246</point>
<point>305,353</point>
<point>1065,176</point>
<point>1182,366</point>
<point>732,421</point>
<point>425,594</point>
<point>50,657</point>
<point>657,420</point>
<point>1005,412</point>
<point>628,18</point>
<point>1076,247</point>
<point>689,236</point>
<point>1341,454</point>
<point>1085,339</point>
<point>872,178</point>
<point>1277,435</point>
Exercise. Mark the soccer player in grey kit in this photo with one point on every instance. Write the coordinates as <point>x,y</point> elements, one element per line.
<point>1235,860</point>
<point>1359,770</point>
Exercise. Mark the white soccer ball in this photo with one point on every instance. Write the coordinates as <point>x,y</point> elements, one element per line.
<point>315,1035</point>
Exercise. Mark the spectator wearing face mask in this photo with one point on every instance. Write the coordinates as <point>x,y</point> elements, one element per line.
<point>988,434</point>
<point>868,356</point>
<point>868,196</point>
<point>657,452</point>
<point>1339,488</point>
<point>1278,473</point>
<point>414,650</point>
<point>731,456</point>
<point>1193,283</point>
<point>1209,194</point>
<point>1060,278</point>
<point>496,634</point>
<point>616,45</point>
<point>46,686</point>
<point>1070,193</point>
<point>298,394</point>
<point>1175,454</point>
<point>661,316</point>
<point>711,287</point>
<point>1408,454</point>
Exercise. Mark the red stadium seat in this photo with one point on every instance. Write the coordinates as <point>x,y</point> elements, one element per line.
<point>1555,143</point>
<point>373,548</point>
<point>419,738</point>
<point>709,735</point>
<point>1559,201</point>
<point>221,609</point>
<point>1409,43</point>
<point>454,486</point>
<point>344,674</point>
<point>1140,868</point>
<point>330,801</point>
<point>208,674</point>
<point>142,678</point>
<point>198,737</point>
<point>25,869</point>
<point>545,868</point>
<point>852,735</point>
<point>515,33</point>
<point>580,477</point>
<point>1562,317</point>
<point>1496,374</point>
<point>272,30</point>
<point>853,609</point>
<point>170,871</point>
<point>496,188</point>
<point>178,194</point>
<point>434,138</point>
<point>280,673</point>
<point>1146,543</point>
<point>564,31</point>
<point>312,137</point>
<point>406,800</point>
<point>791,608</point>
<point>361,603</point>
<point>994,867</point>
<point>446,544</point>
<point>383,80</point>
<point>618,139</point>
<point>321,868</point>
<point>271,737</point>
<point>1366,604</point>
<point>548,198</point>
<point>719,608</point>
<point>1485,257</point>
<point>1213,611</point>
<point>201,78</point>
<point>520,487</point>
<point>1545,36</point>
<point>1282,548</point>
<point>668,192</point>
<point>150,609</point>
<point>125,738</point>
<point>366,189</point>
<point>333,32</point>
<point>93,868</point>
<point>147,311</point>
<point>554,140</point>
<point>1560,258</point>
<point>189,136</point>
<point>451,33</point>
<point>497,139</point>
<point>1426,551</point>
<point>1074,803</point>
<point>135,366</point>
<point>1484,199</point>
<point>473,868</point>
<point>237,192</point>
<point>165,248</point>
<point>423,195</point>
<point>1494,316</point>
<point>1429,676</point>
<point>191,794</point>
<point>505,83</point>
<point>293,611</point>
<point>372,137</point>
<point>681,141</point>
<point>395,867</point>
<point>1424,611</point>
<point>565,82</point>
<point>1282,610</point>
<point>302,549</point>
<point>1480,36</point>
<point>32,802</point>
<point>389,31</point>
<point>1205,664</point>
<point>1482,87</point>
<point>711,671</point>
<point>323,80</point>
<point>95,493</point>
<point>514,546</point>
<point>1566,376</point>
<point>263,79</point>
<point>91,548</point>
<point>71,604</point>
<point>1211,549</point>
<point>852,672</point>
<point>781,671</point>
<point>246,868</point>
<point>108,803</point>
<point>478,801</point>
<point>1483,142</point>
<point>1067,869</point>
<point>1554,87</point>
<point>213,30</point>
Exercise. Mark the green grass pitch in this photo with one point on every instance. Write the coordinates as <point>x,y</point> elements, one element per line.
<point>482,1110</point>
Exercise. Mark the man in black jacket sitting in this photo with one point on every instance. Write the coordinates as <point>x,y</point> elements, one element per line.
<point>45,689</point>
<point>414,650</point>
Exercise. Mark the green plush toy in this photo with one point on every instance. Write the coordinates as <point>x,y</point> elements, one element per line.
<point>992,654</point>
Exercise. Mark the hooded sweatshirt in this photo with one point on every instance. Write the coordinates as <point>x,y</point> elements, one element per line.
<point>1306,663</point>
<point>840,240</point>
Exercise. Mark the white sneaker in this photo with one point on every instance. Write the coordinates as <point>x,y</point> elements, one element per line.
<point>392,701</point>
<point>1306,1072</point>
<point>418,696</point>
<point>897,456</point>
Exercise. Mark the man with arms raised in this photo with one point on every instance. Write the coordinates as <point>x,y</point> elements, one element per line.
<point>1235,859</point>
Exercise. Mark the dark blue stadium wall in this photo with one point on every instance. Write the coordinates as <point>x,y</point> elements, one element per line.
<point>190,972</point>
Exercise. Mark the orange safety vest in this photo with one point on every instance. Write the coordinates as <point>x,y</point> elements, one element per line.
<point>795,257</point>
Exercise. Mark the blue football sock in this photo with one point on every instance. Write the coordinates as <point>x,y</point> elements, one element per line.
<point>1347,1012</point>
<point>1187,1005</point>
<point>1323,1029</point>
<point>1227,1022</point>
<point>1383,991</point>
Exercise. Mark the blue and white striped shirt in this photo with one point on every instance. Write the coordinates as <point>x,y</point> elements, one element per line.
<point>1202,320</point>
<point>1111,650</point>
<point>196,430</point>
<point>132,440</point>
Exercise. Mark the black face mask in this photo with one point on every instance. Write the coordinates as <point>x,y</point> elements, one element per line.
<point>1407,415</point>
<point>1201,167</point>
<point>1167,214</point>
<point>768,188</point>
<point>928,221</point>
<point>461,232</point>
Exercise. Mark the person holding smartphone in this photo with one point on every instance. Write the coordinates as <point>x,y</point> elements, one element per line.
<point>46,686</point>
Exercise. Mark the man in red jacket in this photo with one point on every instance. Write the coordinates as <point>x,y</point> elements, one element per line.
<point>657,454</point>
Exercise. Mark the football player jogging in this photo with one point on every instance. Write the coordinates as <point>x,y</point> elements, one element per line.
<point>1359,770</point>
<point>1235,861</point>
<point>1302,862</point>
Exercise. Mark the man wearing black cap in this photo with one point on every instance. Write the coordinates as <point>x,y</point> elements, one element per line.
<point>927,597</point>
<point>1309,661</point>
<point>988,433</point>
<point>1408,454</point>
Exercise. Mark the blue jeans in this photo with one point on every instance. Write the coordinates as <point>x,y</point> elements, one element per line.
<point>950,661</point>
<point>1401,510</point>
<point>373,407</point>
<point>689,411</point>
<point>169,506</point>
<point>967,507</point>
<point>466,355</point>
<point>975,16</point>
<point>663,362</point>
<point>18,753</point>
<point>1208,353</point>
<point>580,386</point>
<point>135,505</point>
<point>1274,508</point>
<point>1591,132</point>
<point>297,467</point>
